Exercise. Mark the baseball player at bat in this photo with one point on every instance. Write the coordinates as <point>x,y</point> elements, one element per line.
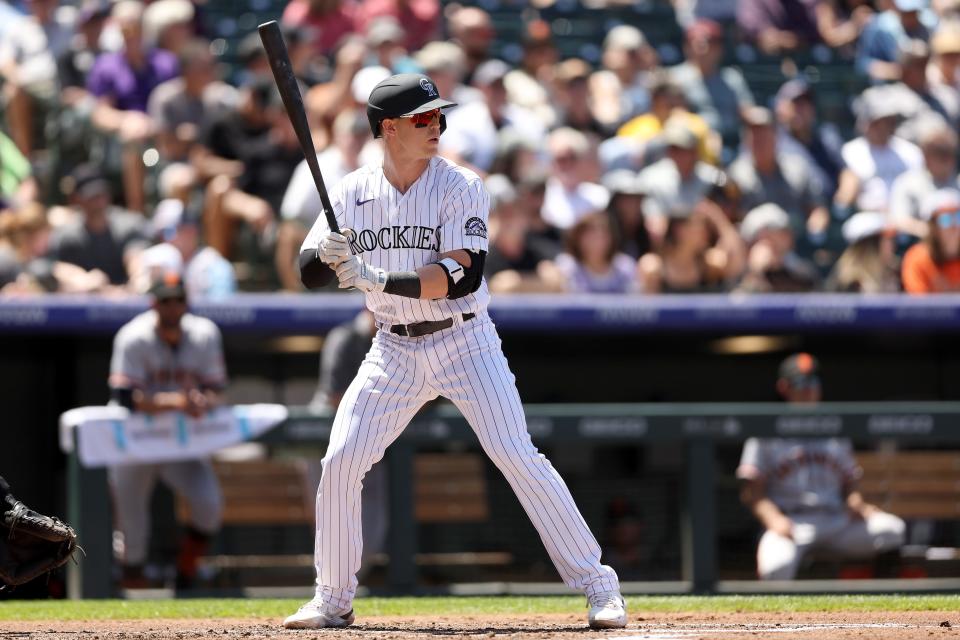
<point>414,241</point>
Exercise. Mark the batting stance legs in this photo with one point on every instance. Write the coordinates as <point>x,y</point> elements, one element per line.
<point>465,364</point>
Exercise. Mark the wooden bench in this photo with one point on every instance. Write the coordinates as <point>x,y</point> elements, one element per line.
<point>450,487</point>
<point>913,484</point>
<point>447,488</point>
<point>268,492</point>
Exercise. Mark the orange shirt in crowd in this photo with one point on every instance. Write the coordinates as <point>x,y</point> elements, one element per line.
<point>921,275</point>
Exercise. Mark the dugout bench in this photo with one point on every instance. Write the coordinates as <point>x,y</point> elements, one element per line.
<point>698,426</point>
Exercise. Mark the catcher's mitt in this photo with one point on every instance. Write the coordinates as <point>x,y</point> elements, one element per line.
<point>31,544</point>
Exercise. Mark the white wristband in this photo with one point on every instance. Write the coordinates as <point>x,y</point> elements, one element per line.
<point>453,268</point>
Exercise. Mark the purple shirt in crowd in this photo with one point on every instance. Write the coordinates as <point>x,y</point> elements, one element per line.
<point>113,77</point>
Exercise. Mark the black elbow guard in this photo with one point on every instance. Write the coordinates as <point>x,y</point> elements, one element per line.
<point>313,272</point>
<point>122,396</point>
<point>462,281</point>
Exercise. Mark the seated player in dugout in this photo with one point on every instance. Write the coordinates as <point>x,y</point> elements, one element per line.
<point>166,359</point>
<point>804,491</point>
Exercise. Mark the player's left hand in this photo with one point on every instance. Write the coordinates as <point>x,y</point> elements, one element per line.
<point>354,272</point>
<point>334,248</point>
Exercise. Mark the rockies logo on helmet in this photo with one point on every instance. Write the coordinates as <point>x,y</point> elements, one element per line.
<point>427,86</point>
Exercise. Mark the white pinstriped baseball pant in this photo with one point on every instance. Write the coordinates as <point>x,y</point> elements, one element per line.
<point>466,365</point>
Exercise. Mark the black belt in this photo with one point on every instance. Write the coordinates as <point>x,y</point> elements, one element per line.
<point>417,329</point>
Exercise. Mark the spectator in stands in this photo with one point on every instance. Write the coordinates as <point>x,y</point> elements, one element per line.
<point>943,73</point>
<point>573,98</point>
<point>763,174</point>
<point>470,28</point>
<point>716,93</point>
<point>385,38</point>
<point>301,203</point>
<point>591,262</point>
<point>803,491</point>
<point>75,63</point>
<point>772,264</point>
<point>420,19</point>
<point>570,194</point>
<point>122,83</point>
<point>205,273</point>
<point>620,86</point>
<point>168,24</point>
<point>527,85</point>
<point>308,67</point>
<point>870,263</point>
<point>626,212</point>
<point>939,171</point>
<point>473,128</point>
<point>343,352</point>
<point>531,195</point>
<point>24,265</point>
<point>516,156</point>
<point>933,265</point>
<point>666,101</point>
<point>516,257</point>
<point>875,159</point>
<point>28,66</point>
<point>179,107</point>
<point>678,182</point>
<point>166,359</point>
<point>17,184</point>
<point>840,22</point>
<point>802,133</point>
<point>885,34</point>
<point>330,20</point>
<point>254,152</point>
<point>350,82</point>
<point>701,252</point>
<point>919,106</point>
<point>444,63</point>
<point>777,26</point>
<point>102,236</point>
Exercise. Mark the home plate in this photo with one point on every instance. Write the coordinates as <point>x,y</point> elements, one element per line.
<point>671,633</point>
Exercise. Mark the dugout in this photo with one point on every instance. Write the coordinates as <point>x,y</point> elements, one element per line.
<point>671,349</point>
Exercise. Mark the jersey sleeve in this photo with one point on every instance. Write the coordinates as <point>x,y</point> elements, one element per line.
<point>320,227</point>
<point>127,367</point>
<point>751,467</point>
<point>464,218</point>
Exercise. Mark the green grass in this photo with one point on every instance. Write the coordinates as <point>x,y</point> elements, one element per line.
<point>372,607</point>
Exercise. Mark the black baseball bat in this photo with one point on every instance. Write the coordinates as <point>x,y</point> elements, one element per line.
<point>276,50</point>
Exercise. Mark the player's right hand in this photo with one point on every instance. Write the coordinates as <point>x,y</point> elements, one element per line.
<point>334,248</point>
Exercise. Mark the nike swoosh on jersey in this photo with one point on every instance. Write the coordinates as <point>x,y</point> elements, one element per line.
<point>360,202</point>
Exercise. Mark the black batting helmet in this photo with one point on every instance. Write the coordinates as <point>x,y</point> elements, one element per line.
<point>404,94</point>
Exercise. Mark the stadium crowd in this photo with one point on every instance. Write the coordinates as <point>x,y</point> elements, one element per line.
<point>144,137</point>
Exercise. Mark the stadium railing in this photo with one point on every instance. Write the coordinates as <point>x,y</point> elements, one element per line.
<point>699,427</point>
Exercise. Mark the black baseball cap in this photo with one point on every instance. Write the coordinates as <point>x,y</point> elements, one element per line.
<point>800,367</point>
<point>403,94</point>
<point>169,285</point>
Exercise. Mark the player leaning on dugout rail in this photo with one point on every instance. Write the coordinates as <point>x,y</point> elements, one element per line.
<point>434,339</point>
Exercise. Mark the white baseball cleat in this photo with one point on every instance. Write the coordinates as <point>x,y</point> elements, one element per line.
<point>317,615</point>
<point>608,610</point>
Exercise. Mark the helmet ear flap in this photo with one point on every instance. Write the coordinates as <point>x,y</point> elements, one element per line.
<point>443,123</point>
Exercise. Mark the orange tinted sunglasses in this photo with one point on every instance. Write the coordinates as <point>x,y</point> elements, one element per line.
<point>423,119</point>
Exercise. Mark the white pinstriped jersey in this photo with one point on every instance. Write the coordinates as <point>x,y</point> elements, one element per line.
<point>444,210</point>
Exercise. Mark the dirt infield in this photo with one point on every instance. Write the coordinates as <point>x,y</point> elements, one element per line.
<point>722,626</point>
